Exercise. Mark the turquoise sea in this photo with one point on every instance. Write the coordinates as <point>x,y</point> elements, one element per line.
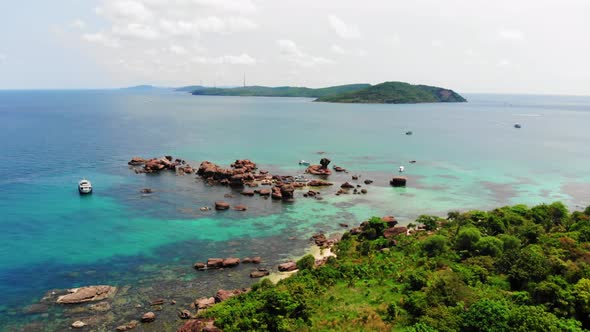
<point>469,156</point>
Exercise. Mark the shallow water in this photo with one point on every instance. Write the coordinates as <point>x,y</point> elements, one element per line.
<point>468,156</point>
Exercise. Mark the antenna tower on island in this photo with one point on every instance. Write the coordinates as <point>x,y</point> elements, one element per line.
<point>244,80</point>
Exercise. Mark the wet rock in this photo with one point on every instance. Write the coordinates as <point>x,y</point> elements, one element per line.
<point>343,225</point>
<point>247,193</point>
<point>129,326</point>
<point>184,314</point>
<point>321,169</point>
<point>223,294</point>
<point>231,262</point>
<point>78,324</point>
<point>319,239</point>
<point>259,273</point>
<point>276,193</point>
<point>148,317</point>
<point>289,266</point>
<point>204,303</point>
<point>172,302</point>
<point>389,220</point>
<point>157,302</point>
<point>220,206</point>
<point>200,266</point>
<point>355,177</point>
<point>398,181</point>
<point>253,260</point>
<point>287,192</point>
<point>87,294</point>
<point>338,169</point>
<point>367,181</point>
<point>364,191</point>
<point>214,263</point>
<point>264,192</point>
<point>136,161</point>
<point>240,208</point>
<point>146,191</point>
<point>319,183</point>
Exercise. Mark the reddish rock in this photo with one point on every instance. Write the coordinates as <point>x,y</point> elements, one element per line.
<point>240,208</point>
<point>289,266</point>
<point>223,294</point>
<point>355,177</point>
<point>395,231</point>
<point>398,181</point>
<point>259,273</point>
<point>148,317</point>
<point>339,169</point>
<point>287,192</point>
<point>231,262</point>
<point>319,239</point>
<point>247,193</point>
<point>321,169</point>
<point>136,161</point>
<point>199,325</point>
<point>264,192</point>
<point>157,302</point>
<point>347,185</point>
<point>87,294</point>
<point>221,206</point>
<point>389,220</point>
<point>364,191</point>
<point>184,314</point>
<point>200,266</point>
<point>204,303</point>
<point>253,260</point>
<point>319,183</point>
<point>276,193</point>
<point>214,263</point>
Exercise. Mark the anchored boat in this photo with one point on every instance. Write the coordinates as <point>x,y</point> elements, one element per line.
<point>84,187</point>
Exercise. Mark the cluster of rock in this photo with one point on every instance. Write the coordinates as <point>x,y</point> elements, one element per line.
<point>240,173</point>
<point>346,186</point>
<point>321,169</point>
<point>87,294</point>
<point>156,165</point>
<point>391,230</point>
<point>221,206</point>
<point>218,263</point>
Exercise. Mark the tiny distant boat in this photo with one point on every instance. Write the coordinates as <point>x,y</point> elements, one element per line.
<point>84,187</point>
<point>401,169</point>
<point>412,161</point>
<point>409,133</point>
<point>517,126</point>
<point>303,162</point>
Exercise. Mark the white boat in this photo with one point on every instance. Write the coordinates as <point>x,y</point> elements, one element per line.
<point>303,162</point>
<point>401,169</point>
<point>84,187</point>
<point>301,179</point>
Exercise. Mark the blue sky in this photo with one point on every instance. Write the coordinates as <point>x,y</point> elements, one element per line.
<point>524,46</point>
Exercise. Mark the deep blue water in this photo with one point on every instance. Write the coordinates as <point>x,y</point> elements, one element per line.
<point>469,156</point>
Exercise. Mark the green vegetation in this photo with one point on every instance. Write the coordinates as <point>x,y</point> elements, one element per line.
<point>396,93</point>
<point>283,91</point>
<point>190,88</point>
<point>510,269</point>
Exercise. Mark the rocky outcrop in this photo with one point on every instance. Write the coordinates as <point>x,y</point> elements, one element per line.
<point>238,175</point>
<point>87,294</point>
<point>240,208</point>
<point>136,161</point>
<point>287,267</point>
<point>287,192</point>
<point>319,239</point>
<point>398,181</point>
<point>321,169</point>
<point>230,262</point>
<point>389,220</point>
<point>395,231</point>
<point>276,193</point>
<point>199,325</point>
<point>204,303</point>
<point>253,260</point>
<point>223,294</point>
<point>184,314</point>
<point>347,185</point>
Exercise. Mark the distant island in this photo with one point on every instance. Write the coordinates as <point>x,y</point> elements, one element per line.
<point>384,93</point>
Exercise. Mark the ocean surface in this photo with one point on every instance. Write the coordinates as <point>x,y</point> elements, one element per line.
<point>468,156</point>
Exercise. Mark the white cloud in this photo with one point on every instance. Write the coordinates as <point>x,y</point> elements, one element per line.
<point>342,29</point>
<point>101,39</point>
<point>437,43</point>
<point>510,34</point>
<point>179,50</point>
<point>242,59</point>
<point>79,24</point>
<point>136,30</point>
<point>293,54</point>
<point>339,50</point>
<point>125,10</point>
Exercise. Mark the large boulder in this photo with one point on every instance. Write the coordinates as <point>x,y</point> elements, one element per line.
<point>204,303</point>
<point>389,220</point>
<point>87,294</point>
<point>220,206</point>
<point>321,169</point>
<point>231,262</point>
<point>259,273</point>
<point>287,192</point>
<point>398,181</point>
<point>214,263</point>
<point>287,267</point>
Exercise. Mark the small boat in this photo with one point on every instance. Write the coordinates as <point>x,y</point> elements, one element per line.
<point>409,133</point>
<point>412,161</point>
<point>303,162</point>
<point>401,169</point>
<point>517,126</point>
<point>84,187</point>
<point>301,179</point>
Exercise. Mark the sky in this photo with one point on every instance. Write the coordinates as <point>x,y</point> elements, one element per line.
<point>516,46</point>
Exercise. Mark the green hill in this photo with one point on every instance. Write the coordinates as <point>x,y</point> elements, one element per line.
<point>510,269</point>
<point>395,93</point>
<point>190,88</point>
<point>283,91</point>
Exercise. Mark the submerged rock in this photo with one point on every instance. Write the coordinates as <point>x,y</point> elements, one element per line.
<point>253,260</point>
<point>220,206</point>
<point>87,294</point>
<point>129,326</point>
<point>148,317</point>
<point>231,262</point>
